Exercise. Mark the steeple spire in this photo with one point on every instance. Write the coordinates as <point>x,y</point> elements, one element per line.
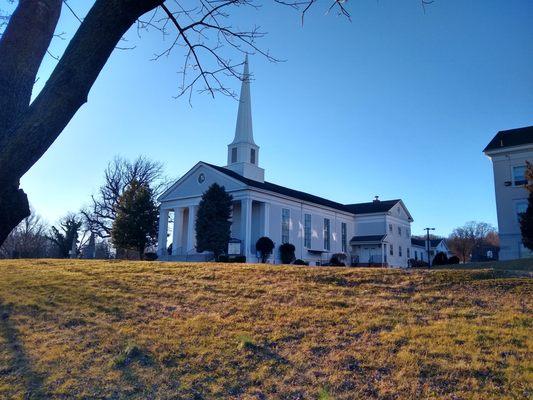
<point>243,153</point>
<point>243,130</point>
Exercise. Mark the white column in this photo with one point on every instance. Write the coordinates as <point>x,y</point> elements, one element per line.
<point>246,225</point>
<point>162,234</point>
<point>178,229</point>
<point>266,219</point>
<point>191,230</point>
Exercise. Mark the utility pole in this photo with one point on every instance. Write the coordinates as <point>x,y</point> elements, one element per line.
<point>428,244</point>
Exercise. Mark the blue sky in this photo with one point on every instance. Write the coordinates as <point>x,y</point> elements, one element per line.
<point>397,103</point>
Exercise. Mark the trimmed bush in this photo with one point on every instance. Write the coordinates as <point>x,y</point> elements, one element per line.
<point>338,260</point>
<point>300,262</point>
<point>226,259</point>
<point>150,256</point>
<point>453,260</point>
<point>286,252</point>
<point>440,259</point>
<point>418,264</point>
<point>264,246</point>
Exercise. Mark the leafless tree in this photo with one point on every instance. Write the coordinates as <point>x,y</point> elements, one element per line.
<point>202,29</point>
<point>27,240</point>
<point>465,238</point>
<point>119,174</point>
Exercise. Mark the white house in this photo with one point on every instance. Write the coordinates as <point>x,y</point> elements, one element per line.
<point>509,150</point>
<point>419,249</point>
<point>376,233</point>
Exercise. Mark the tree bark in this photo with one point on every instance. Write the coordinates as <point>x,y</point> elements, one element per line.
<point>33,130</point>
<point>14,208</point>
<point>22,48</point>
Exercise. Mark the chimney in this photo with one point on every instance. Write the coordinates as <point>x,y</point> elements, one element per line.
<point>376,199</point>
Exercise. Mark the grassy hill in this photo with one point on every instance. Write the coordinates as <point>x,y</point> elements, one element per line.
<point>85,329</point>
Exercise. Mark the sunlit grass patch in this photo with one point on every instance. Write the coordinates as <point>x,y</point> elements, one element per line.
<point>83,329</point>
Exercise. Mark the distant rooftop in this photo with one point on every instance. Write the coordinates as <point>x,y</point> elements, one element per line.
<point>511,138</point>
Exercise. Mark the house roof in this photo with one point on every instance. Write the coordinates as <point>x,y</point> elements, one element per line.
<point>511,138</point>
<point>372,206</point>
<point>422,242</point>
<point>367,238</point>
<point>418,242</point>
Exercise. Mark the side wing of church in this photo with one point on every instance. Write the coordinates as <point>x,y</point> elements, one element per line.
<point>373,233</point>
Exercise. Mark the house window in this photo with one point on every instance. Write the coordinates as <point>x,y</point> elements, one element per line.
<point>252,156</point>
<point>327,234</point>
<point>344,237</point>
<point>391,249</point>
<point>519,175</point>
<point>416,255</point>
<point>408,252</point>
<point>521,207</point>
<point>234,155</point>
<point>285,225</point>
<point>400,231</point>
<point>307,231</point>
<point>400,251</point>
<point>390,228</point>
<point>384,253</point>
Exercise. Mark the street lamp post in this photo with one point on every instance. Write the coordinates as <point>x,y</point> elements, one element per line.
<point>428,244</point>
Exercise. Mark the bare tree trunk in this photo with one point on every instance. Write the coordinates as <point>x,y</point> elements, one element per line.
<point>22,48</point>
<point>29,130</point>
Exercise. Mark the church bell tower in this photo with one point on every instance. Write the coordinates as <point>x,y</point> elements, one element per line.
<point>243,153</point>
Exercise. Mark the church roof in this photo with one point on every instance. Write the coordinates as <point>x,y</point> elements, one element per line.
<point>372,206</point>
<point>368,239</point>
<point>272,187</point>
<point>511,138</point>
<point>361,208</point>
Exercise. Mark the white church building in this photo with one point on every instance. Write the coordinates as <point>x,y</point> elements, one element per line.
<point>373,233</point>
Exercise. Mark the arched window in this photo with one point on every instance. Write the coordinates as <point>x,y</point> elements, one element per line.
<point>234,155</point>
<point>252,156</point>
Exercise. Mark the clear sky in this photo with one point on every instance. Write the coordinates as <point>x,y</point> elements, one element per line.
<point>398,103</point>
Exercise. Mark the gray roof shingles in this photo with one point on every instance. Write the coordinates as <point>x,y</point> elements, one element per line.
<point>361,208</point>
<point>367,238</point>
<point>510,138</point>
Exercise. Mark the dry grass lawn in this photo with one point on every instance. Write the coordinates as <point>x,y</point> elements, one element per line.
<point>134,330</point>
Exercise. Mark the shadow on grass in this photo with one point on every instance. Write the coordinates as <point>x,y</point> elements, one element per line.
<point>20,367</point>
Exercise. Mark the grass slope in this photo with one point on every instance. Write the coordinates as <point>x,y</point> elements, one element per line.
<point>84,329</point>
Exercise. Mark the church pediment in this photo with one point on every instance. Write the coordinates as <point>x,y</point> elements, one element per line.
<point>197,181</point>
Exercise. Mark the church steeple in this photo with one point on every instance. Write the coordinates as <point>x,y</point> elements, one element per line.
<point>244,131</point>
<point>243,153</point>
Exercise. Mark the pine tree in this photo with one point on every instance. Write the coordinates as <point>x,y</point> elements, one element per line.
<point>213,221</point>
<point>526,219</point>
<point>135,225</point>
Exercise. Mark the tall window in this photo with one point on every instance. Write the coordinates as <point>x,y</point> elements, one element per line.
<point>384,252</point>
<point>400,251</point>
<point>416,255</point>
<point>285,225</point>
<point>408,252</point>
<point>519,175</point>
<point>390,228</point>
<point>234,155</point>
<point>521,207</point>
<point>391,249</point>
<point>400,231</point>
<point>252,156</point>
<point>344,237</point>
<point>307,231</point>
<point>327,234</point>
